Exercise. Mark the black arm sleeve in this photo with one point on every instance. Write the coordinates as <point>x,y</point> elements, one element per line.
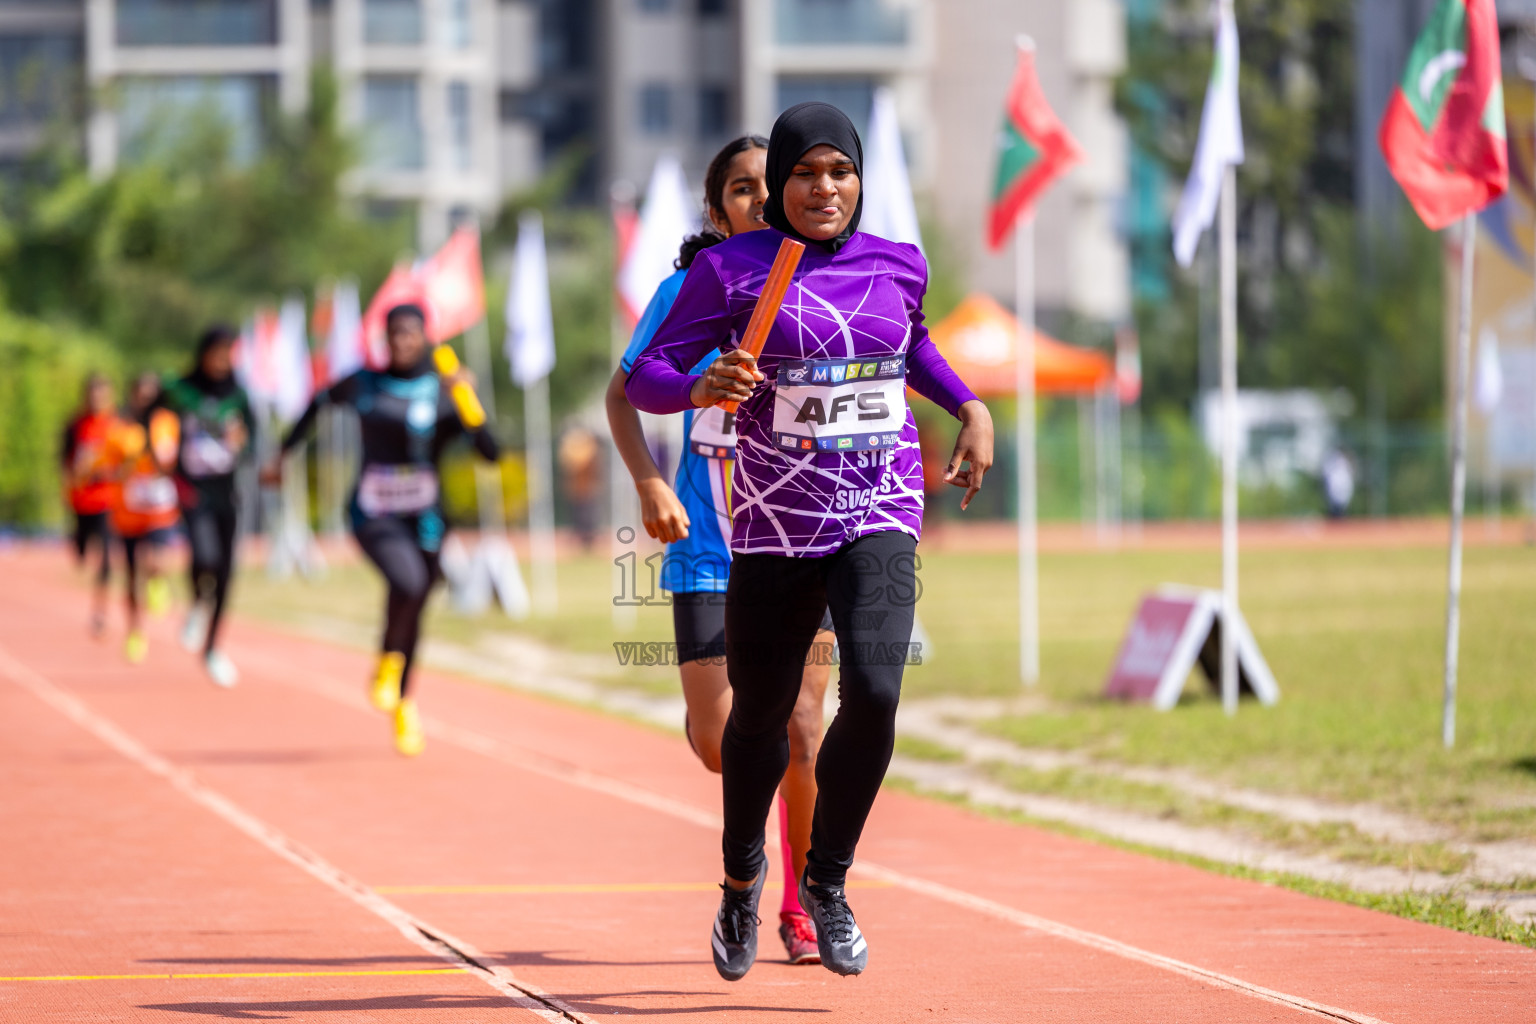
<point>299,432</point>
<point>341,393</point>
<point>485,443</point>
<point>67,447</point>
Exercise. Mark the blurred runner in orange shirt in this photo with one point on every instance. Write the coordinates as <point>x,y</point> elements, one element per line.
<point>88,488</point>
<point>142,450</point>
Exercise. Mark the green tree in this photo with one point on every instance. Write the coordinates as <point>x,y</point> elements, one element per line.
<point>1309,315</point>
<point>188,233</point>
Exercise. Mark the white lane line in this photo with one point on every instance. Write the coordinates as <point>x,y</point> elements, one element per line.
<point>553,768</point>
<point>427,936</point>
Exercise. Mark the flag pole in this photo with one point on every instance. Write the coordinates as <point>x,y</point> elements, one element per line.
<point>1024,382</point>
<point>1229,677</point>
<point>1458,476</point>
<point>541,506</point>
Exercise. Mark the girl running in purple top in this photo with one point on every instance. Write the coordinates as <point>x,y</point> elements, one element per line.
<point>828,502</point>
<point>693,518</point>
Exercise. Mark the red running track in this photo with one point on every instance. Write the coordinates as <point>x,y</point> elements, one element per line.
<point>177,852</point>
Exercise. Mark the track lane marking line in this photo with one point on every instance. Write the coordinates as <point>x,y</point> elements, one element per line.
<point>582,888</point>
<point>434,940</point>
<point>230,975</point>
<point>553,768</point>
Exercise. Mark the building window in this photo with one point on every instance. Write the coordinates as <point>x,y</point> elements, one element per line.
<point>157,113</point>
<point>460,127</point>
<point>459,32</point>
<point>714,111</point>
<point>853,95</point>
<point>392,123</point>
<point>392,22</point>
<point>196,22</point>
<point>656,109</point>
<point>40,78</point>
<point>839,22</point>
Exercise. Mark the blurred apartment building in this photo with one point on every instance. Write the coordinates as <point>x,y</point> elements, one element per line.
<point>684,75</point>
<point>420,80</point>
<point>459,101</point>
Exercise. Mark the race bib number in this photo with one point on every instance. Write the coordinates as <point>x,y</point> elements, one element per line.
<point>150,494</point>
<point>831,405</point>
<point>205,455</point>
<point>397,490</point>
<point>713,434</point>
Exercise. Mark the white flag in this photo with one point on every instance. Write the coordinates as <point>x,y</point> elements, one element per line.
<point>530,324</point>
<point>1488,388</point>
<point>344,347</point>
<point>889,211</point>
<point>295,376</point>
<point>1220,144</point>
<point>669,215</point>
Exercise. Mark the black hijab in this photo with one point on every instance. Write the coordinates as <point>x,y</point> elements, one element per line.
<point>218,334</point>
<point>798,130</point>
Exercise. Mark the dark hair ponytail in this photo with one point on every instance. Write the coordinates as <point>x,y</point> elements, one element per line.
<point>714,198</point>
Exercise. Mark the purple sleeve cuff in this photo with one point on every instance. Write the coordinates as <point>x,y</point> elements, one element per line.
<point>655,386</point>
<point>697,323</point>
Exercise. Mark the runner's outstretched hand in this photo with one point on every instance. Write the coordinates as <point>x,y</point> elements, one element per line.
<point>662,513</point>
<point>974,445</point>
<point>728,379</point>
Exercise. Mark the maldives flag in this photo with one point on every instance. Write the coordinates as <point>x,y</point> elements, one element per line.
<point>1033,149</point>
<point>1443,134</point>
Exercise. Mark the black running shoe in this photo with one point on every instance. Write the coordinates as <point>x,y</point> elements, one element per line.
<point>734,939</point>
<point>843,949</point>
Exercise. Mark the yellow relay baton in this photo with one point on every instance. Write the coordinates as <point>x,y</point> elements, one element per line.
<point>471,412</point>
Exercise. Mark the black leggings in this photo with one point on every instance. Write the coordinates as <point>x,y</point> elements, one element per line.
<point>773,607</point>
<point>393,545</point>
<point>91,526</point>
<point>211,535</point>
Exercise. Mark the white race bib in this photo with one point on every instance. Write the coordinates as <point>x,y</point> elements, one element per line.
<point>713,434</point>
<point>205,455</point>
<point>833,405</point>
<point>397,490</point>
<point>149,494</point>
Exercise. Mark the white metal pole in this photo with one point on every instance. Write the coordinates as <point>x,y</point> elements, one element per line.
<point>1492,483</point>
<point>623,506</point>
<point>488,481</point>
<point>1024,382</point>
<point>1229,677</point>
<point>541,497</point>
<point>1458,476</point>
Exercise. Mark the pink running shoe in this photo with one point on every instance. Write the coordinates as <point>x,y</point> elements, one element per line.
<point>799,935</point>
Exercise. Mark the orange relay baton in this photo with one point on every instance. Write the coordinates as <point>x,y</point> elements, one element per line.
<point>768,303</point>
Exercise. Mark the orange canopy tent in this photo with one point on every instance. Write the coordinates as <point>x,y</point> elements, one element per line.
<point>979,340</point>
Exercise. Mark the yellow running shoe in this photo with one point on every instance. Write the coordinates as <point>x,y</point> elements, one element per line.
<point>408,738</point>
<point>136,649</point>
<point>157,596</point>
<point>384,694</point>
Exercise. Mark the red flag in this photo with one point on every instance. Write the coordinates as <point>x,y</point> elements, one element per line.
<point>626,222</point>
<point>1033,150</point>
<point>453,284</point>
<point>1443,133</point>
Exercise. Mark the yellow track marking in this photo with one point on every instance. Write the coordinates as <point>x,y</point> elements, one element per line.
<point>234,974</point>
<point>578,888</point>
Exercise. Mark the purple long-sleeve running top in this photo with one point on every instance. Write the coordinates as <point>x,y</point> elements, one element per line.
<point>854,312</point>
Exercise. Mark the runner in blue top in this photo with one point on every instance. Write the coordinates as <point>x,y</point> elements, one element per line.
<point>694,520</point>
